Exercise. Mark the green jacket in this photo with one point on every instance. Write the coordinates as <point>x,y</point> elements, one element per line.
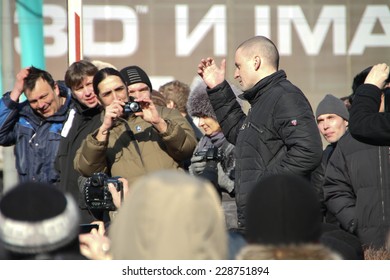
<point>135,147</point>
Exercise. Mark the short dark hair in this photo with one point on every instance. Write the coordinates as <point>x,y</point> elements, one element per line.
<point>102,74</point>
<point>34,75</point>
<point>76,73</point>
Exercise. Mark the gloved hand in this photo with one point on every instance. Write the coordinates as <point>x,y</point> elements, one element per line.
<point>224,181</point>
<point>197,165</point>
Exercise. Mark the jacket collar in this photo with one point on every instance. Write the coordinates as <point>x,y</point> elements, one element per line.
<point>251,95</point>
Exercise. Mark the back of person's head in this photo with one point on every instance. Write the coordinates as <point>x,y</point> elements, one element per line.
<point>330,104</point>
<point>102,64</point>
<point>283,221</point>
<point>34,75</point>
<point>176,92</point>
<point>158,98</point>
<point>198,104</point>
<point>78,71</point>
<point>264,46</point>
<point>169,215</point>
<point>102,74</point>
<point>346,244</point>
<point>134,75</point>
<point>283,209</point>
<point>37,221</point>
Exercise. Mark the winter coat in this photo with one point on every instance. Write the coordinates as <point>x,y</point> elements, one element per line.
<point>36,139</point>
<point>357,189</point>
<point>169,215</point>
<point>135,148</point>
<point>317,180</point>
<point>81,122</point>
<point>366,124</point>
<point>279,135</point>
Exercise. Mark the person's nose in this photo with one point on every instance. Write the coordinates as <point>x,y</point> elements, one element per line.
<point>201,122</point>
<point>236,74</point>
<point>326,124</point>
<point>41,104</point>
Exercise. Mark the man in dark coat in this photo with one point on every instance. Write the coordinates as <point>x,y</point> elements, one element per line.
<point>357,182</point>
<point>83,118</point>
<point>279,134</point>
<point>367,124</point>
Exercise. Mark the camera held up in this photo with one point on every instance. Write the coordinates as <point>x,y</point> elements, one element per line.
<point>131,106</point>
<point>96,194</point>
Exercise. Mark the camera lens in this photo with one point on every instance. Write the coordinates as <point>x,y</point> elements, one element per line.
<point>134,107</point>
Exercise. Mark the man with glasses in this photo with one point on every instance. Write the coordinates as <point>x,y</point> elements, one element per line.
<point>83,118</point>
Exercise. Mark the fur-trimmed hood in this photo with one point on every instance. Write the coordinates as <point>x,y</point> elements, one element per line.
<point>287,252</point>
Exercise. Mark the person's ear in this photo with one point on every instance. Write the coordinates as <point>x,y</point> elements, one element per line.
<point>257,62</point>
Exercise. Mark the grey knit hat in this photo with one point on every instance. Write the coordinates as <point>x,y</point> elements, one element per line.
<point>37,218</point>
<point>332,105</point>
<point>198,104</point>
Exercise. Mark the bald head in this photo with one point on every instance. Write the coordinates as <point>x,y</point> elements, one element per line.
<point>255,59</point>
<point>263,47</point>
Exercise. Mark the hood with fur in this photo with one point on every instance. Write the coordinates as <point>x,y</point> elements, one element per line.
<point>310,251</point>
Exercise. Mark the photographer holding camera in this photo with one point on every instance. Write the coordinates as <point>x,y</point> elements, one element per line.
<point>213,157</point>
<point>136,137</point>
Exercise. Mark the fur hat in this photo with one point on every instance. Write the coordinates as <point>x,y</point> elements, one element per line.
<point>134,74</point>
<point>332,105</point>
<point>198,104</point>
<point>282,210</point>
<point>37,218</point>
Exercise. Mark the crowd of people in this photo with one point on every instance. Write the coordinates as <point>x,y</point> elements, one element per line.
<point>186,173</point>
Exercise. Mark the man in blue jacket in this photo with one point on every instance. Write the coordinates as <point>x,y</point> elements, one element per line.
<point>34,126</point>
<point>279,135</point>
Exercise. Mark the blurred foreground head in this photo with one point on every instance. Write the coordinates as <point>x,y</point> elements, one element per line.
<point>283,209</point>
<point>170,215</point>
<point>37,219</point>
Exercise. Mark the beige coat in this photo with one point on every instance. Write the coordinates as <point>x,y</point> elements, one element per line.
<point>135,147</point>
<point>170,215</point>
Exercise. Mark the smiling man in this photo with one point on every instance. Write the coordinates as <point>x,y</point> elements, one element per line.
<point>34,126</point>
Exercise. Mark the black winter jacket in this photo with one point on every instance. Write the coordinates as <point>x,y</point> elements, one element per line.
<point>279,135</point>
<point>81,122</point>
<point>357,189</point>
<point>366,124</point>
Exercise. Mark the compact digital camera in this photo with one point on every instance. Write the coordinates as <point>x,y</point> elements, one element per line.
<point>131,106</point>
<point>96,194</point>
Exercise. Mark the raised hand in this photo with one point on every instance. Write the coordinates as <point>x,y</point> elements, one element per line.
<point>211,74</point>
<point>378,75</point>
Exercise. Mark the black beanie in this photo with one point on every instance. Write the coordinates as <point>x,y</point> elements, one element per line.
<point>360,78</point>
<point>332,105</point>
<point>37,218</point>
<point>134,74</point>
<point>283,210</point>
<point>198,104</point>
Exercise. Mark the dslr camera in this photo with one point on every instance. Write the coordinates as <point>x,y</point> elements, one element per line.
<point>131,106</point>
<point>96,194</point>
<point>212,153</point>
